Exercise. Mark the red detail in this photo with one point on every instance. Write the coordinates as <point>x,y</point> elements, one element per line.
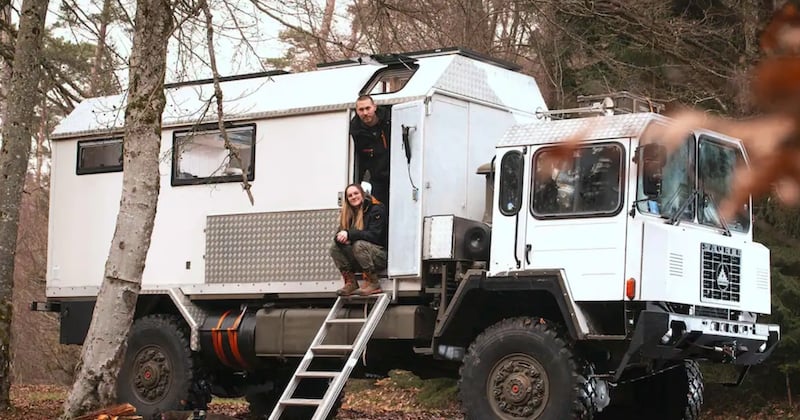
<point>515,389</point>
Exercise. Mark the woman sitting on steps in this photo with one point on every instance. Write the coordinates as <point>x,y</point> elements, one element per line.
<point>360,243</point>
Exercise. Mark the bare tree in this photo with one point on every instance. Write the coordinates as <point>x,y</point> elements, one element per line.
<point>5,66</point>
<point>18,129</point>
<point>100,48</point>
<point>104,348</point>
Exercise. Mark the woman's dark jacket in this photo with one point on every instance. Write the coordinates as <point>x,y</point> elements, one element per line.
<point>375,227</point>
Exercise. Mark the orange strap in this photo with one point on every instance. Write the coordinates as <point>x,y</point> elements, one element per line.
<point>216,338</point>
<point>233,340</point>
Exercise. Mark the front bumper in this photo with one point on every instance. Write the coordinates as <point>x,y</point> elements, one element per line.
<point>671,336</point>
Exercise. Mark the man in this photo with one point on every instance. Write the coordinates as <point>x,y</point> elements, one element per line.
<point>370,129</point>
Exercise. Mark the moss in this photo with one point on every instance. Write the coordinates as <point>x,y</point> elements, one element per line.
<point>438,393</point>
<point>356,385</point>
<point>404,379</point>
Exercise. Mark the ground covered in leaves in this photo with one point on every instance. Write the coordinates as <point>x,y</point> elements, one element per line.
<point>398,397</point>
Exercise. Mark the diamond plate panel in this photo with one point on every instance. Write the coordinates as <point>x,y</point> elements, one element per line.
<point>465,77</point>
<point>270,247</point>
<point>608,127</point>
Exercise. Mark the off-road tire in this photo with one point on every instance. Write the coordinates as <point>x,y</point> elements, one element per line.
<point>520,368</point>
<point>158,372</point>
<point>675,394</point>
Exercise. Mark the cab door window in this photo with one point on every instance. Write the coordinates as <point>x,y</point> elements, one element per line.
<point>510,193</point>
<point>588,183</point>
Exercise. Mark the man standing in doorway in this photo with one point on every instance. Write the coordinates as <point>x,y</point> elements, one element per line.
<point>370,129</point>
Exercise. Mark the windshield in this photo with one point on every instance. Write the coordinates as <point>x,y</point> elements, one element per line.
<point>717,162</point>
<point>677,185</point>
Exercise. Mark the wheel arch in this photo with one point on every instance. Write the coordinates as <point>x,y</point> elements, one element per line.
<point>482,301</point>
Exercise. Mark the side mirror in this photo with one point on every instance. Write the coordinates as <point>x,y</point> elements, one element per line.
<point>653,158</point>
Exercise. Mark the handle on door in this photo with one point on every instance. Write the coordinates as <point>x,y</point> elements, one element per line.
<point>528,253</point>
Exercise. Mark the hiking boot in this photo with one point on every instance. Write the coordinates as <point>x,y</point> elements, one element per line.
<point>350,284</point>
<point>371,285</point>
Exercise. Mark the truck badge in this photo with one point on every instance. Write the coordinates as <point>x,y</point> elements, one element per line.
<point>722,278</point>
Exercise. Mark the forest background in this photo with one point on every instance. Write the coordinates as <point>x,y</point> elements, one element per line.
<point>696,53</point>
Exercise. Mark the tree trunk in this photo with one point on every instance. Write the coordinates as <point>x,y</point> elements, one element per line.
<point>18,129</point>
<point>325,31</point>
<point>104,348</point>
<point>99,50</point>
<point>5,66</point>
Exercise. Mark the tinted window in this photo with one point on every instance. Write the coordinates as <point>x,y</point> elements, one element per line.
<point>511,171</point>
<point>201,156</point>
<point>587,183</point>
<point>389,79</point>
<point>98,156</point>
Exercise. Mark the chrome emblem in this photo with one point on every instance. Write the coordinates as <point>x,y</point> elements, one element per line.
<point>722,277</point>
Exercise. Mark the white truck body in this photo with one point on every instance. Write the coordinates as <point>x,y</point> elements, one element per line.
<point>457,104</point>
<point>512,263</point>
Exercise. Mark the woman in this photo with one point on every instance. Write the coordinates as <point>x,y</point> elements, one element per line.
<point>360,243</point>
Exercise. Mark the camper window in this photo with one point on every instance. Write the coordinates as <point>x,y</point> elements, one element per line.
<point>98,156</point>
<point>587,184</point>
<point>389,79</point>
<point>200,156</point>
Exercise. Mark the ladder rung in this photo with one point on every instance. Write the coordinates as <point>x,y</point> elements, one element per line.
<point>347,321</point>
<point>301,401</point>
<point>317,374</point>
<point>362,298</point>
<point>332,348</point>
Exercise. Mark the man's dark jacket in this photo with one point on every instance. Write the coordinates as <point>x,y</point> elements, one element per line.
<point>372,150</point>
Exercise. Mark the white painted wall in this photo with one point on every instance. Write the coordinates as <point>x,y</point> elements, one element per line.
<point>301,164</point>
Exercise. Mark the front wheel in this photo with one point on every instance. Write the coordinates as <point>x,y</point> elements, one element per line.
<point>674,394</point>
<point>520,368</point>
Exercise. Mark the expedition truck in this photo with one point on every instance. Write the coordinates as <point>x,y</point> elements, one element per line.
<point>552,287</point>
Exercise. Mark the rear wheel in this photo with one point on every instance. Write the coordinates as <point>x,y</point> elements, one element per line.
<point>520,368</point>
<point>158,371</point>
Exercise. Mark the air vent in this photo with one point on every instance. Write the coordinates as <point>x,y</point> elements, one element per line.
<point>675,264</point>
<point>762,279</point>
<point>720,272</point>
<point>708,312</point>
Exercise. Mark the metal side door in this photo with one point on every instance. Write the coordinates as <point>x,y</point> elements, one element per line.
<point>405,195</point>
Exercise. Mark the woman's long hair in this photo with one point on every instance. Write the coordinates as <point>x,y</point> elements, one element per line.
<point>350,217</point>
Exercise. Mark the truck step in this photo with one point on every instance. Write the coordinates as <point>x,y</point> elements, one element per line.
<point>301,402</point>
<point>347,321</point>
<point>332,348</point>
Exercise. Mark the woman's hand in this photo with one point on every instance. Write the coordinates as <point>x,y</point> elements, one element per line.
<point>341,237</point>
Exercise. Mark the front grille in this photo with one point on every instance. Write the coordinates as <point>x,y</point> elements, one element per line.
<point>721,272</point>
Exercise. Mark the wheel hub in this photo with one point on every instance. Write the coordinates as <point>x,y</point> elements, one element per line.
<point>152,374</point>
<point>518,387</point>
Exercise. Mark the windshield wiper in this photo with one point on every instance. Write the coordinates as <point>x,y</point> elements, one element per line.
<point>676,217</point>
<point>723,224</point>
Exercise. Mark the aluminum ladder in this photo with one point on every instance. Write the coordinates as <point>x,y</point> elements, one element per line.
<point>352,351</point>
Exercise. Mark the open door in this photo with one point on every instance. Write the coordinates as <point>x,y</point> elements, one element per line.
<point>405,197</point>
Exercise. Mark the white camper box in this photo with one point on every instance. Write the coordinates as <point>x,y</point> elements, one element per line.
<point>209,240</point>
